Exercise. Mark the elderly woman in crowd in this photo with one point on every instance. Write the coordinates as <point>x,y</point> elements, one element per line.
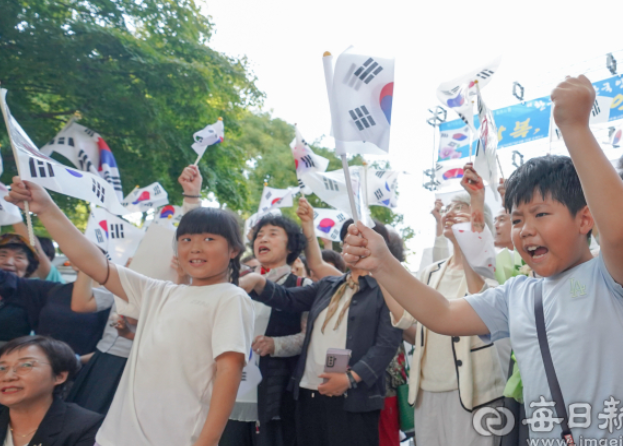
<point>451,376</point>
<point>33,374</point>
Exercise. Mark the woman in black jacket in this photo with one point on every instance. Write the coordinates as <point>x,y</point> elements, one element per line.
<point>265,416</point>
<point>33,373</point>
<point>345,312</point>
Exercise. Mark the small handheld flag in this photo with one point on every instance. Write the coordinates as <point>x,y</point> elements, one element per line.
<point>209,136</point>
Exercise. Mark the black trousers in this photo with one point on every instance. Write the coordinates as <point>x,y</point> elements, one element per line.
<point>322,421</point>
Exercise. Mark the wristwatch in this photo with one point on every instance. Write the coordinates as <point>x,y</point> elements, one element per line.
<point>351,378</point>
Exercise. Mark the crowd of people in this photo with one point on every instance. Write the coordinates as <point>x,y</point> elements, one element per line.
<point>119,358</point>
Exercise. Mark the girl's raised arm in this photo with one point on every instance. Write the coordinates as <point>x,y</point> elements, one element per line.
<point>80,251</point>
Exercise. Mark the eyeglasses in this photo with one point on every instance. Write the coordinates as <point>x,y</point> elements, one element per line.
<point>454,208</point>
<point>22,368</point>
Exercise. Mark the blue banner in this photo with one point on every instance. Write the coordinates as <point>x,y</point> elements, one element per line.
<point>521,123</point>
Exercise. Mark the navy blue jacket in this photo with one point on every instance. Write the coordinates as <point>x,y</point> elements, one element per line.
<point>369,334</point>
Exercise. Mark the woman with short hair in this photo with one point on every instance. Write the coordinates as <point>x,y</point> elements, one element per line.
<point>33,373</point>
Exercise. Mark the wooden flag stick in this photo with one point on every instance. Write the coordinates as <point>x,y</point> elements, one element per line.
<point>31,234</point>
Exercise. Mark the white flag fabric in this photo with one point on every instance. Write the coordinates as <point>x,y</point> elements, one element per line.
<point>169,216</point>
<point>9,213</point>
<point>88,151</point>
<point>382,186</point>
<point>330,187</point>
<point>361,102</point>
<point>485,161</point>
<point>117,237</point>
<point>477,247</point>
<point>210,135</point>
<point>457,93</point>
<point>276,198</point>
<point>616,137</point>
<point>38,168</point>
<point>600,113</point>
<point>328,223</point>
<point>305,160</point>
<point>146,198</point>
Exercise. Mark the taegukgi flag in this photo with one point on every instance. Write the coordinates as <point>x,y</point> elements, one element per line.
<point>209,136</point>
<point>458,93</point>
<point>485,161</point>
<point>116,236</point>
<point>276,198</point>
<point>305,160</point>
<point>361,102</point>
<point>146,198</point>
<point>36,167</point>
<point>328,223</point>
<point>88,151</point>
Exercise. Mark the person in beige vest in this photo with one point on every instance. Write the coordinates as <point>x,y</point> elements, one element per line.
<point>450,377</point>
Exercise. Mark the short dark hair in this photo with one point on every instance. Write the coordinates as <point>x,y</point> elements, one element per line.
<point>60,355</point>
<point>396,245</point>
<point>379,228</point>
<point>332,257</point>
<point>215,221</point>
<point>296,239</point>
<point>550,174</point>
<point>48,247</point>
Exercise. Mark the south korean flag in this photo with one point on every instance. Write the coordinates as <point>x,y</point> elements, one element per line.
<point>459,93</point>
<point>117,237</point>
<point>361,102</point>
<point>382,186</point>
<point>328,223</point>
<point>276,198</point>
<point>305,160</point>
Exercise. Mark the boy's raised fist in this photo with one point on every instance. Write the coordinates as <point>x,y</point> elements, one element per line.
<point>573,100</point>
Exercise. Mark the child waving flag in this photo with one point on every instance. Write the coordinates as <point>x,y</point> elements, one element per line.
<point>181,379</point>
<point>576,309</point>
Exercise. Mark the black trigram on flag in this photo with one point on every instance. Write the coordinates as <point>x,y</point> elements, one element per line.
<point>116,231</point>
<point>309,161</point>
<point>115,181</point>
<point>484,74</point>
<point>365,73</point>
<point>301,184</point>
<point>98,190</point>
<point>340,218</point>
<point>157,190</point>
<point>596,110</point>
<point>380,173</point>
<point>89,132</point>
<point>362,118</point>
<point>99,236</point>
<point>85,162</point>
<point>61,141</point>
<point>268,195</point>
<point>330,184</point>
<point>378,194</point>
<point>40,169</point>
<point>315,215</point>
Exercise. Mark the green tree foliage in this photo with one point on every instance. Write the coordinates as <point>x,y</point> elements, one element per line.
<point>141,74</point>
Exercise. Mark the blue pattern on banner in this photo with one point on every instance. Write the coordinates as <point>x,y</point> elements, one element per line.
<point>522,123</point>
<point>612,88</point>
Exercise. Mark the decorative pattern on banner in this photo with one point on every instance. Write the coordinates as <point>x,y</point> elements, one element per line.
<point>529,121</point>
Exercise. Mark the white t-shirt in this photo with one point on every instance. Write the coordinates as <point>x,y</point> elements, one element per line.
<point>111,342</point>
<point>164,394</point>
<point>583,310</point>
<point>320,342</point>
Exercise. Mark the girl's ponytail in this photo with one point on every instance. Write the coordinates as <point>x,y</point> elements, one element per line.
<point>234,270</point>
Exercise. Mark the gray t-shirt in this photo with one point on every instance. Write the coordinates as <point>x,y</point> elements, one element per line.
<point>583,310</point>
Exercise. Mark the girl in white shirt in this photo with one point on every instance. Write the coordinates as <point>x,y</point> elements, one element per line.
<point>191,342</point>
